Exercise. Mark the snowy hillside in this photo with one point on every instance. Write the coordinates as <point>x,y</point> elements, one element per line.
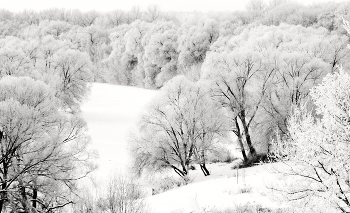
<point>110,112</point>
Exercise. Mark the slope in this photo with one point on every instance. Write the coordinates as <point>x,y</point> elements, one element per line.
<point>110,112</point>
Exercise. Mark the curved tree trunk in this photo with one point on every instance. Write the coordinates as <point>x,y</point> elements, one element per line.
<point>179,172</point>
<point>239,135</point>
<point>252,150</point>
<point>204,169</point>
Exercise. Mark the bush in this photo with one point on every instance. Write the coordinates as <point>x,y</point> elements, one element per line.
<point>167,183</point>
<point>245,189</point>
<point>221,155</point>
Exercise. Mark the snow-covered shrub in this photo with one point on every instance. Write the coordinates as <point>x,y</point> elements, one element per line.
<point>167,183</point>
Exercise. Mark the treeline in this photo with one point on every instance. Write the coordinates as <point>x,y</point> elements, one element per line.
<point>245,79</point>
<point>147,48</point>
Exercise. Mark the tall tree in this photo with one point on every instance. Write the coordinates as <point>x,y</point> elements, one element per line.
<point>240,77</point>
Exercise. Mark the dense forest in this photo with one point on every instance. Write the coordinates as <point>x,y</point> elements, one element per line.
<point>242,72</point>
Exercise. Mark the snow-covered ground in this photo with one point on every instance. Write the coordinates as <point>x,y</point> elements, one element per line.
<point>110,112</point>
<point>221,190</point>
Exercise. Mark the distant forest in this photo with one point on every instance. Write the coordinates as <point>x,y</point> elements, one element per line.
<point>147,48</point>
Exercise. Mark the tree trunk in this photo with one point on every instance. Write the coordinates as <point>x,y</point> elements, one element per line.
<point>35,196</point>
<point>204,169</point>
<point>3,184</point>
<point>24,198</point>
<point>178,171</point>
<point>3,197</point>
<point>184,169</point>
<point>252,150</point>
<point>239,135</point>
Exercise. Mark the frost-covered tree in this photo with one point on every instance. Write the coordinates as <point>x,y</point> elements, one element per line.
<point>153,13</point>
<point>195,40</point>
<point>72,71</point>
<point>178,128</point>
<point>161,56</point>
<point>114,18</point>
<point>54,28</point>
<point>126,57</point>
<point>240,76</point>
<point>13,60</point>
<point>318,143</point>
<point>42,149</point>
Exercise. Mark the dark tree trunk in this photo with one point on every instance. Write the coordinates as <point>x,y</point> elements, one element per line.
<point>3,197</point>
<point>239,135</point>
<point>24,198</point>
<point>3,193</point>
<point>204,169</point>
<point>35,196</point>
<point>179,172</point>
<point>184,169</point>
<point>252,150</point>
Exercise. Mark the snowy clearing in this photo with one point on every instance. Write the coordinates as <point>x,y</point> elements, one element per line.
<point>110,112</point>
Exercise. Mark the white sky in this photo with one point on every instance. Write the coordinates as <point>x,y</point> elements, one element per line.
<point>107,5</point>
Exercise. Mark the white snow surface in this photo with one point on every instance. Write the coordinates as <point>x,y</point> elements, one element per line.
<point>111,111</point>
<point>220,191</point>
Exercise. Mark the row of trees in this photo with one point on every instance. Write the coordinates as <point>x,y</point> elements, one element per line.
<point>120,194</point>
<point>147,48</point>
<point>248,85</point>
<point>43,81</point>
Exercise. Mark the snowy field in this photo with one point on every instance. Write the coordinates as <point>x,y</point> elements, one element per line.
<point>110,112</point>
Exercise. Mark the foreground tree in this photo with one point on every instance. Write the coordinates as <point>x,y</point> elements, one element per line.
<point>319,144</point>
<point>42,150</point>
<point>180,121</point>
